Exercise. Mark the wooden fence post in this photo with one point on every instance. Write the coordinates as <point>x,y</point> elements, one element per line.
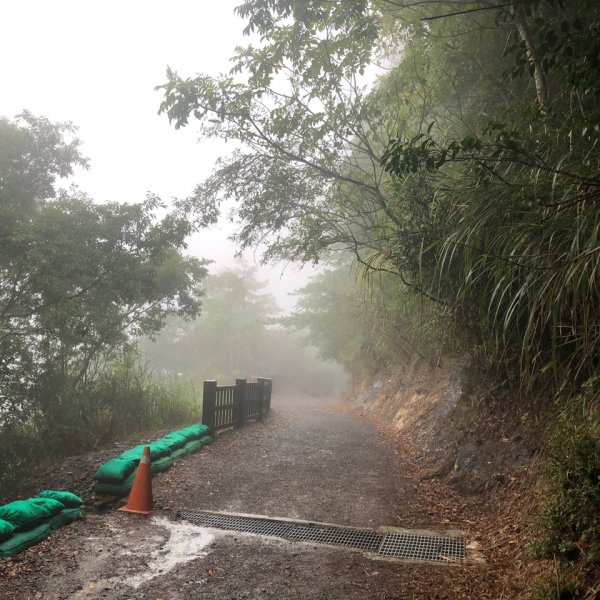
<point>209,397</point>
<point>268,390</point>
<point>261,404</point>
<point>239,399</point>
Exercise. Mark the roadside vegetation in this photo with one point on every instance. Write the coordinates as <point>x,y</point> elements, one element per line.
<point>78,282</point>
<point>463,185</point>
<point>445,154</point>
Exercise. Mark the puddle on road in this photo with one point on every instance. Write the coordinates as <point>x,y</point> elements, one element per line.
<point>186,542</point>
<point>170,544</point>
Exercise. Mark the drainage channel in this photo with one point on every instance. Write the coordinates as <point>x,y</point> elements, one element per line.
<point>407,545</point>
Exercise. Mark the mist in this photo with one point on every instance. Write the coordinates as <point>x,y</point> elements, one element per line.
<point>240,334</point>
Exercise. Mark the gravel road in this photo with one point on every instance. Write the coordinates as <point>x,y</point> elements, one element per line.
<point>309,459</point>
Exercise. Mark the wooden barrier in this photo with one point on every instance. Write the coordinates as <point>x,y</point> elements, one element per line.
<point>232,405</point>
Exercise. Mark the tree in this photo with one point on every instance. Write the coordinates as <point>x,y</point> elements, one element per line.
<point>306,177</point>
<point>33,154</point>
<point>77,280</point>
<point>229,340</point>
<point>238,336</point>
<point>297,106</point>
<point>366,326</point>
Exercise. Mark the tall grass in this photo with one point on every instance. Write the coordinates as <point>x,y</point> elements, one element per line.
<point>523,261</point>
<point>122,401</point>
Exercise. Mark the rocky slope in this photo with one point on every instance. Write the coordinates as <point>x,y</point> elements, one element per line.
<point>465,431</point>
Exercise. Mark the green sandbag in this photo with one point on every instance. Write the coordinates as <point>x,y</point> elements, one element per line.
<point>116,490</point>
<point>66,516</point>
<point>157,450</point>
<point>67,498</point>
<point>207,439</point>
<point>161,465</point>
<point>193,446</point>
<point>6,529</point>
<point>180,452</point>
<point>174,440</point>
<point>193,432</point>
<point>26,513</point>
<point>185,433</point>
<point>24,539</point>
<point>52,505</point>
<point>115,470</point>
<point>133,454</point>
<point>202,428</point>
<point>199,429</point>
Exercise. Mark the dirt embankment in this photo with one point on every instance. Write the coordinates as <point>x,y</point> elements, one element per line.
<point>473,453</point>
<point>465,432</point>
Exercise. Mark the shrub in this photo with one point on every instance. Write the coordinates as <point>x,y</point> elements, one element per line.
<point>570,520</point>
<point>122,401</point>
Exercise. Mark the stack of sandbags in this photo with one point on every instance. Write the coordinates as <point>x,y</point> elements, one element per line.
<point>160,455</point>
<point>187,440</point>
<point>24,523</point>
<point>115,477</point>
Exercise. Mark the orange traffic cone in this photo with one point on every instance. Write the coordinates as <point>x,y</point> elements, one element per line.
<point>140,497</point>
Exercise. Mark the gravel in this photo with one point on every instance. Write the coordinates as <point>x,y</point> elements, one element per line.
<point>309,459</point>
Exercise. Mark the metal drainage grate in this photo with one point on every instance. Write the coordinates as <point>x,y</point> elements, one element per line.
<point>237,523</point>
<point>416,546</point>
<point>410,546</point>
<point>351,538</point>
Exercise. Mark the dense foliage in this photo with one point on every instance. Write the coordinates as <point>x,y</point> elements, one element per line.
<point>78,281</point>
<point>571,516</point>
<point>468,172</point>
<point>368,326</point>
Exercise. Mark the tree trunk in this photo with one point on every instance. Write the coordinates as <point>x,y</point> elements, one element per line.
<point>539,76</point>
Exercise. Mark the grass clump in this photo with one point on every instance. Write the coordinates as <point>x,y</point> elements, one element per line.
<point>569,524</point>
<point>124,400</point>
<point>553,586</point>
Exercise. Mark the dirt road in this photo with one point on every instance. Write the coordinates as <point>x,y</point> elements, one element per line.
<point>307,460</point>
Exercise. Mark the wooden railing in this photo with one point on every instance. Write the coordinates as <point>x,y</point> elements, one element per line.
<point>232,405</point>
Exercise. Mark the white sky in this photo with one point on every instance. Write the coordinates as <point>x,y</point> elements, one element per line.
<point>96,63</point>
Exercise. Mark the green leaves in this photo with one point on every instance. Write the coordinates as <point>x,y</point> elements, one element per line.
<point>569,521</point>
<point>78,279</point>
<point>422,153</point>
<point>297,112</point>
<point>33,153</point>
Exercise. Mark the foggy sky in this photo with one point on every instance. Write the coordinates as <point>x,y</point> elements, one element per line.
<point>96,64</point>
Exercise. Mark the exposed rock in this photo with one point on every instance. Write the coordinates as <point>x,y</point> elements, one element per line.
<point>471,442</point>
